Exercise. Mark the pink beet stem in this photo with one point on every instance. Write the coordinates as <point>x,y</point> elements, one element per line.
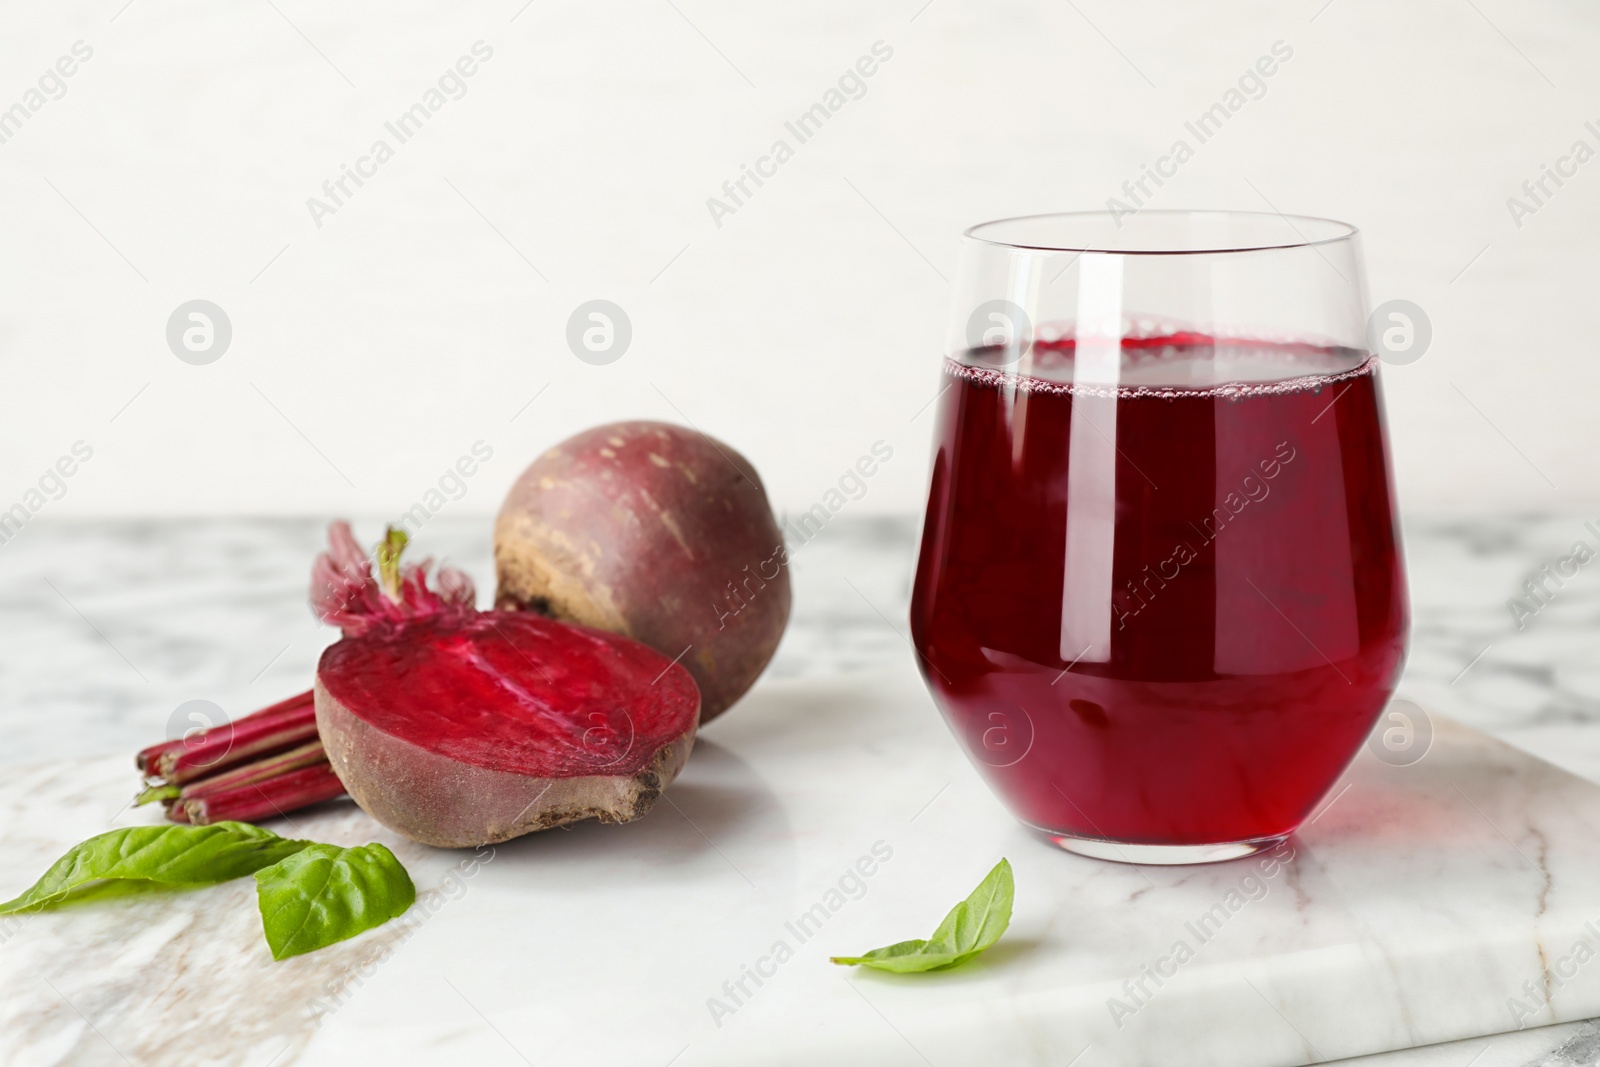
<point>251,773</point>
<point>270,730</point>
<point>148,759</point>
<point>262,800</point>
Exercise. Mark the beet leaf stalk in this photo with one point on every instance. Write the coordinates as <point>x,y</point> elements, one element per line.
<point>260,766</point>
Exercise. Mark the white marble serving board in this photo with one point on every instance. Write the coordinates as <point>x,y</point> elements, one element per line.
<point>1417,905</point>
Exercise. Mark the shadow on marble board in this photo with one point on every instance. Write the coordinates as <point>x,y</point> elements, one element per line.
<point>718,796</point>
<point>822,714</point>
<point>1463,771</point>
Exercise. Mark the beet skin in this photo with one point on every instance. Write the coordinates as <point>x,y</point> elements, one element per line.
<point>658,533</point>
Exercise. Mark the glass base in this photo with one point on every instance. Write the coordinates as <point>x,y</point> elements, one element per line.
<point>1159,855</point>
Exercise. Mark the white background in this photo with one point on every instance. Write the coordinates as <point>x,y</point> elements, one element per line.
<point>376,349</point>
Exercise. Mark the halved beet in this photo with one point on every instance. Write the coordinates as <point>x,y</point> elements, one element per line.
<point>457,727</point>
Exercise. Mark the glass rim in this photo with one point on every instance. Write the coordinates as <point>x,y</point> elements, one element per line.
<point>1333,231</point>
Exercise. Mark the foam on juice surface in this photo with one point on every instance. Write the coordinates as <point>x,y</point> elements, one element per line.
<point>1160,367</point>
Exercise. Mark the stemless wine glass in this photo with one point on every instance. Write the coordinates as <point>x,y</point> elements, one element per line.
<point>1160,598</point>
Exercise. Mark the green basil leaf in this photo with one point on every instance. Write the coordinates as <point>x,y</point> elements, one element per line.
<point>902,956</point>
<point>977,922</point>
<point>140,858</point>
<point>324,894</point>
<point>971,927</point>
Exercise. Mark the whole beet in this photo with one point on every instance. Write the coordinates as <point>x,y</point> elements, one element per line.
<point>656,532</point>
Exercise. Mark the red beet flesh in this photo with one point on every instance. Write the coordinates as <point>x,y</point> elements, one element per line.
<point>460,728</point>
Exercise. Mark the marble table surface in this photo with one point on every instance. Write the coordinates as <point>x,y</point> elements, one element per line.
<point>110,627</point>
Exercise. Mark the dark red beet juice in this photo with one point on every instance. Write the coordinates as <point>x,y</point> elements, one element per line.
<point>1156,613</point>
